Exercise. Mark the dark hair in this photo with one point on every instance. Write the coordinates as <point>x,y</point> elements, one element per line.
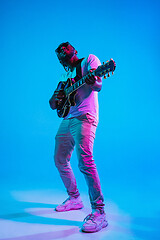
<point>65,44</point>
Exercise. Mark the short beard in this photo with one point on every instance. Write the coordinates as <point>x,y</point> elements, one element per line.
<point>65,60</point>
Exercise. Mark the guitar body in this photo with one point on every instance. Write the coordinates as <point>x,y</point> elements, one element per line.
<point>63,105</point>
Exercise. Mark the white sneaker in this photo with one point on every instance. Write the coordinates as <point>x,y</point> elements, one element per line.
<point>94,222</point>
<point>70,204</point>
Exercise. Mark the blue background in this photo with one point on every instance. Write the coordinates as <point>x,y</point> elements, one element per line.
<point>127,150</point>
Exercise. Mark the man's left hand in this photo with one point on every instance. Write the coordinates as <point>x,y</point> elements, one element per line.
<point>90,80</point>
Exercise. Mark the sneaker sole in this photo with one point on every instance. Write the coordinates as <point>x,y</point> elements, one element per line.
<point>70,209</point>
<point>105,224</point>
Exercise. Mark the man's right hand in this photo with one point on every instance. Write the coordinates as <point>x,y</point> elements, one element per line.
<point>58,95</point>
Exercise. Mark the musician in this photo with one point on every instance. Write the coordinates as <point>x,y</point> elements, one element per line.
<point>77,129</point>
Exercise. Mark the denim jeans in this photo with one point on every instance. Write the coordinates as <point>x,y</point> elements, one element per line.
<point>78,132</point>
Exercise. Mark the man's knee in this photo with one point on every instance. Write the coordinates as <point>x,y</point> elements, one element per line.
<point>87,164</point>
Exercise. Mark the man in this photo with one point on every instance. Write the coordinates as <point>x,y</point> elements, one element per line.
<point>78,130</point>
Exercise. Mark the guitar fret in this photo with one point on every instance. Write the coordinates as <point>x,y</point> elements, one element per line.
<point>76,85</point>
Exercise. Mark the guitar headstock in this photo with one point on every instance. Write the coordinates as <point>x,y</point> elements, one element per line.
<point>107,67</point>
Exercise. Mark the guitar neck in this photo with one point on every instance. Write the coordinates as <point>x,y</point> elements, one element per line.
<point>102,70</point>
<point>77,85</point>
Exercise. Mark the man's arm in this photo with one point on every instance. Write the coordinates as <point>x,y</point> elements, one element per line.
<point>57,96</point>
<point>52,102</point>
<point>95,82</point>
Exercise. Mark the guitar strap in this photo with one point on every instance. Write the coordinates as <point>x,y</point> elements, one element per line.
<point>78,70</point>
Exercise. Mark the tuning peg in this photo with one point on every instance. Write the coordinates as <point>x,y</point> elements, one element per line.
<point>108,75</point>
<point>105,77</point>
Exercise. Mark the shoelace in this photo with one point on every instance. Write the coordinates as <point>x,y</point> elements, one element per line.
<point>89,217</point>
<point>66,200</point>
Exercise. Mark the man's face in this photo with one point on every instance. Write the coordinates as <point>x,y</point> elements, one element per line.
<point>65,52</point>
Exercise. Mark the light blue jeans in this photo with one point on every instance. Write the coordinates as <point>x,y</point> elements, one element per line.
<point>78,132</point>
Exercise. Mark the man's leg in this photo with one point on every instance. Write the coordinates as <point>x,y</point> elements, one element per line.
<point>64,145</point>
<point>83,130</point>
<point>84,134</point>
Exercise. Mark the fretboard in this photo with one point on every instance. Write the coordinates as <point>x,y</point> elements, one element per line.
<point>77,85</point>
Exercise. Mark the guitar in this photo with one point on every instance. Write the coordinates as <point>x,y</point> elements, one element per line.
<point>69,88</point>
